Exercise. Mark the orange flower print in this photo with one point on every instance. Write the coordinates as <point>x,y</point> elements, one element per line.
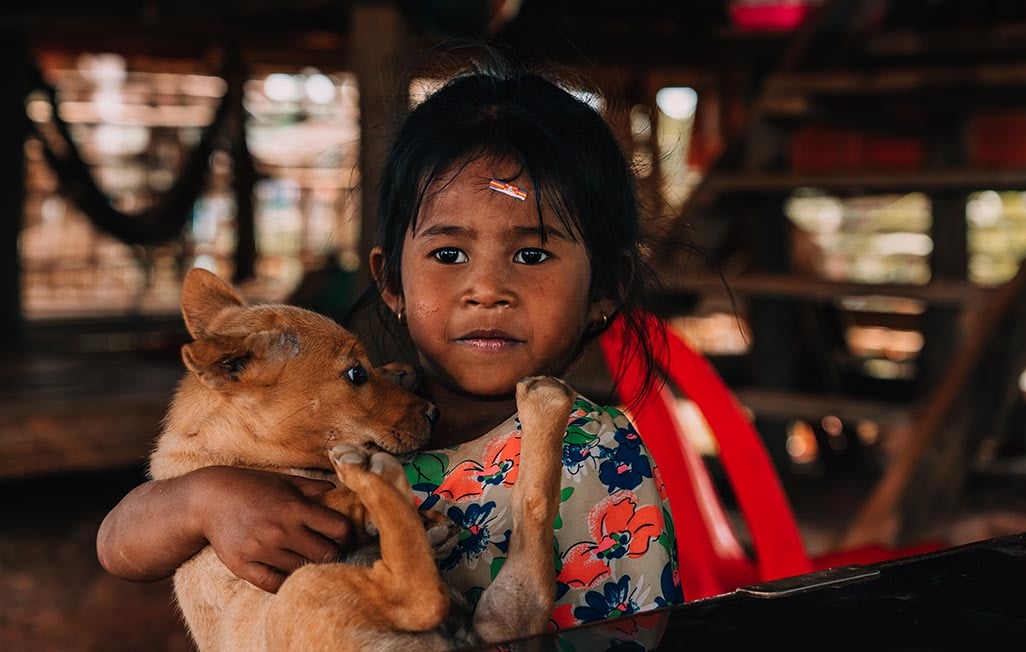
<point>563,617</point>
<point>468,479</point>
<point>619,529</point>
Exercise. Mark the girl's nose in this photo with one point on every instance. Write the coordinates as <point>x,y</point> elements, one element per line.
<point>489,286</point>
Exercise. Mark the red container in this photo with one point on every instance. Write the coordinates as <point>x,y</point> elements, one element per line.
<point>893,152</point>
<point>829,149</point>
<point>779,15</point>
<point>998,140</point>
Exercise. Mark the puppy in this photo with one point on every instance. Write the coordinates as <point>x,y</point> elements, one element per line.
<point>279,388</point>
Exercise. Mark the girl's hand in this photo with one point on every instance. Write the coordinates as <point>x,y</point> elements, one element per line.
<point>264,525</point>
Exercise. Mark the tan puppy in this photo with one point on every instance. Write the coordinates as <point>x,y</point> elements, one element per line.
<point>280,388</point>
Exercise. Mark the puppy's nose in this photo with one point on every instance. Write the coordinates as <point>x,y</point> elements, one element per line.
<point>432,414</point>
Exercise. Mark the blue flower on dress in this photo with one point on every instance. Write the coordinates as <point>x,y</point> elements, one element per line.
<point>614,601</point>
<point>576,454</point>
<point>628,437</point>
<point>625,468</point>
<point>668,583</point>
<point>474,536</point>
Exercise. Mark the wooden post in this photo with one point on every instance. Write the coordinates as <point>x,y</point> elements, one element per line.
<point>939,478</point>
<point>244,176</point>
<point>12,169</point>
<point>380,57</point>
<point>772,318</point>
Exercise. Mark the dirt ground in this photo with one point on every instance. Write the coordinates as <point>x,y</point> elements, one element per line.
<point>54,596</point>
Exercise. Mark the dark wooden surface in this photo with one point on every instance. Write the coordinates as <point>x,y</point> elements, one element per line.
<point>963,598</point>
<point>61,413</point>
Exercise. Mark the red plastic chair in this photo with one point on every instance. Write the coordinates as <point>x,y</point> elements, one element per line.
<point>712,559</point>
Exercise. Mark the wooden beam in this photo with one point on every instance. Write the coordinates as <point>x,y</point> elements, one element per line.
<point>911,78</point>
<point>786,405</point>
<point>940,292</point>
<point>1004,38</point>
<point>12,169</point>
<point>62,413</point>
<point>380,56</point>
<point>859,182</point>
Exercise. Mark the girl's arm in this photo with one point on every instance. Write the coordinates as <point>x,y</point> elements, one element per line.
<point>262,525</point>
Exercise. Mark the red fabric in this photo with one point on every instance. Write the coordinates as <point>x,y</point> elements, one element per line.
<point>711,559</point>
<point>872,554</point>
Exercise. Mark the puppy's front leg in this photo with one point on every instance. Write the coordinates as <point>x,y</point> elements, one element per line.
<point>396,603</point>
<point>345,501</point>
<point>442,533</point>
<point>406,589</point>
<point>519,601</point>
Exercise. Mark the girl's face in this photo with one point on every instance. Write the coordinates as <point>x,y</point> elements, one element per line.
<point>486,303</point>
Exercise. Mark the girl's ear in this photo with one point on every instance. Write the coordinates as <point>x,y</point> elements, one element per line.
<point>600,313</point>
<point>377,265</point>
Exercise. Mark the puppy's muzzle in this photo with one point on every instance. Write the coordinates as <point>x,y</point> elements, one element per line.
<point>432,413</point>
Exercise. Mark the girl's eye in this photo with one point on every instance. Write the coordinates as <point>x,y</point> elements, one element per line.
<point>449,256</point>
<point>356,374</point>
<point>531,256</point>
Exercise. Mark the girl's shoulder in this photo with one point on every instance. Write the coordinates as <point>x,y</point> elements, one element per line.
<point>589,423</point>
<point>588,419</point>
<point>585,407</point>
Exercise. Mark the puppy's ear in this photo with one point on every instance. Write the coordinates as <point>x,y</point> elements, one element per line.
<point>259,358</point>
<point>204,296</point>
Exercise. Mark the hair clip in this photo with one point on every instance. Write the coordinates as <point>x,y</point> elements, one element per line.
<point>507,189</point>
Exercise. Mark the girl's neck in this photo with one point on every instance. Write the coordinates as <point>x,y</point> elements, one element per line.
<point>463,418</point>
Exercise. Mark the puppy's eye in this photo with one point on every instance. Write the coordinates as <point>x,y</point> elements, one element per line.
<point>356,374</point>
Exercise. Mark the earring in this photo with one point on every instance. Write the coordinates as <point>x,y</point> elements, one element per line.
<point>400,315</point>
<point>597,326</point>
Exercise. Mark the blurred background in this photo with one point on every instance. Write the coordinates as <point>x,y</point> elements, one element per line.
<point>852,172</point>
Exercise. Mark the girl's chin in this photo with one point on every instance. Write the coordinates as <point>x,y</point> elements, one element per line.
<point>492,388</point>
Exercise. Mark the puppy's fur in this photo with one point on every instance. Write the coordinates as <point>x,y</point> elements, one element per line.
<point>279,388</point>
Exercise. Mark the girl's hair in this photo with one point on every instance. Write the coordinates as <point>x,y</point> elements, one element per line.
<point>564,147</point>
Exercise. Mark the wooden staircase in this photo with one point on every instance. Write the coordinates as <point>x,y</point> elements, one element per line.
<point>846,68</point>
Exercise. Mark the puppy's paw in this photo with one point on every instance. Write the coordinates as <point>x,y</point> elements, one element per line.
<point>351,462</point>
<point>389,468</point>
<point>544,390</point>
<point>544,403</point>
<point>348,455</point>
<point>442,532</point>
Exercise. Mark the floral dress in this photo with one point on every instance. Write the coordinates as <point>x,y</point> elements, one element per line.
<point>615,547</point>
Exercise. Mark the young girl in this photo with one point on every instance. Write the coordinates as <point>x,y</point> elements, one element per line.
<point>508,240</point>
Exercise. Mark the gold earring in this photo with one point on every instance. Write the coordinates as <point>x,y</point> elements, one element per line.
<point>399,315</point>
<point>597,326</point>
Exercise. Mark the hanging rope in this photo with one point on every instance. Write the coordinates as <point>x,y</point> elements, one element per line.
<point>161,222</point>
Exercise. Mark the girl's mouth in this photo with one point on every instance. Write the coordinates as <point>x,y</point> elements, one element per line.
<point>489,340</point>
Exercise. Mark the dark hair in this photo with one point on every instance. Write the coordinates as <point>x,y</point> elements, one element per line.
<point>566,149</point>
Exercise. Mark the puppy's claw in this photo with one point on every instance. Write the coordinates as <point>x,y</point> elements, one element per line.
<point>347,454</point>
<point>379,462</point>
